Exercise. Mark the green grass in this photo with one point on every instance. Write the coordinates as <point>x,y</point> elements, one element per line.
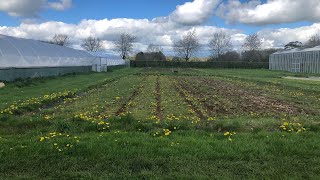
<point>114,126</point>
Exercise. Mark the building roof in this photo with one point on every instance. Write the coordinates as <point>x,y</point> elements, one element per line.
<point>317,48</point>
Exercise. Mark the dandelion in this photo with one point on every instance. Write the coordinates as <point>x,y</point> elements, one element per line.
<point>46,117</point>
<point>167,132</point>
<point>226,133</point>
<point>42,139</point>
<point>292,127</point>
<point>229,135</point>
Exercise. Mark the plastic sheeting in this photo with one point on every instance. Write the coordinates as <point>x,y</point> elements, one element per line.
<point>17,52</point>
<point>11,74</point>
<point>297,50</point>
<point>109,59</point>
<point>106,60</point>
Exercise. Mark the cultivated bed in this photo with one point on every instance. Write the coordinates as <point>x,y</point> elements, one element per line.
<point>153,123</point>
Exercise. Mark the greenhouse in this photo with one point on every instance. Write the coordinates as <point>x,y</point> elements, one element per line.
<point>17,52</point>
<point>296,60</point>
<point>26,58</point>
<point>106,60</point>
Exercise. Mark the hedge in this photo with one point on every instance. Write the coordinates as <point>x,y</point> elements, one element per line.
<point>214,64</point>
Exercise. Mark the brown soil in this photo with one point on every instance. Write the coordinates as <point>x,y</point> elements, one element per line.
<point>249,100</point>
<point>190,103</point>
<point>235,99</point>
<point>124,106</point>
<point>212,105</point>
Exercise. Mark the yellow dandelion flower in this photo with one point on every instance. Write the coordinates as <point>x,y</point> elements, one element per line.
<point>226,133</point>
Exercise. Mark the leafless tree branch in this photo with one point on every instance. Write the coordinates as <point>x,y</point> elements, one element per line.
<point>92,44</point>
<point>187,46</point>
<point>124,44</point>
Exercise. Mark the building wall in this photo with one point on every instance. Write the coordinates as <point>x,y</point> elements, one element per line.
<point>11,74</point>
<point>307,62</point>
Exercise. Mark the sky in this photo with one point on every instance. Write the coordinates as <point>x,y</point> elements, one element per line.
<point>161,22</point>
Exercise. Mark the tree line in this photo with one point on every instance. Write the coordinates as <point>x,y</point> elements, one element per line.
<point>220,46</point>
<point>124,44</point>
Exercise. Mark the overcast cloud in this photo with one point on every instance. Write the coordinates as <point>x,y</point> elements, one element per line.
<point>31,8</point>
<point>194,13</point>
<point>255,12</point>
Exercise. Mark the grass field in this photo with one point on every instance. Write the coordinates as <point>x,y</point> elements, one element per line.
<point>145,123</point>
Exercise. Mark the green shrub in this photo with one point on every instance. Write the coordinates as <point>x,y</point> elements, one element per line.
<point>153,56</point>
<point>214,64</point>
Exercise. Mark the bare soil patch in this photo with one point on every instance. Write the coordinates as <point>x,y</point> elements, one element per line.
<point>235,99</point>
<point>313,78</point>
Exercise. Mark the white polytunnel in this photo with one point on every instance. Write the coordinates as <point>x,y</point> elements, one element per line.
<point>18,52</point>
<point>106,60</point>
<point>109,59</point>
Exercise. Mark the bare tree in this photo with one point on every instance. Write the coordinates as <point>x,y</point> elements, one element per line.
<point>124,45</point>
<point>220,44</point>
<point>187,46</point>
<point>154,48</point>
<point>313,41</point>
<point>252,43</point>
<point>60,39</point>
<point>92,44</point>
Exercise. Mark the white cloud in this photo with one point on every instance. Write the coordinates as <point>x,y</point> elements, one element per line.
<point>60,6</point>
<point>282,36</point>
<point>21,7</point>
<point>146,31</point>
<point>161,31</point>
<point>193,13</point>
<point>272,12</point>
<point>31,8</point>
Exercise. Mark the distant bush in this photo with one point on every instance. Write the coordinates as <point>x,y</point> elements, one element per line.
<point>176,59</point>
<point>152,56</point>
<point>257,56</point>
<point>214,64</point>
<point>229,56</point>
<point>140,56</point>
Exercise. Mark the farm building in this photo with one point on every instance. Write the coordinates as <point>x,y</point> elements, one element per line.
<point>296,60</point>
<point>24,58</point>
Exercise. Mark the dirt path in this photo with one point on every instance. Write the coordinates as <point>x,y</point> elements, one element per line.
<point>302,78</point>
